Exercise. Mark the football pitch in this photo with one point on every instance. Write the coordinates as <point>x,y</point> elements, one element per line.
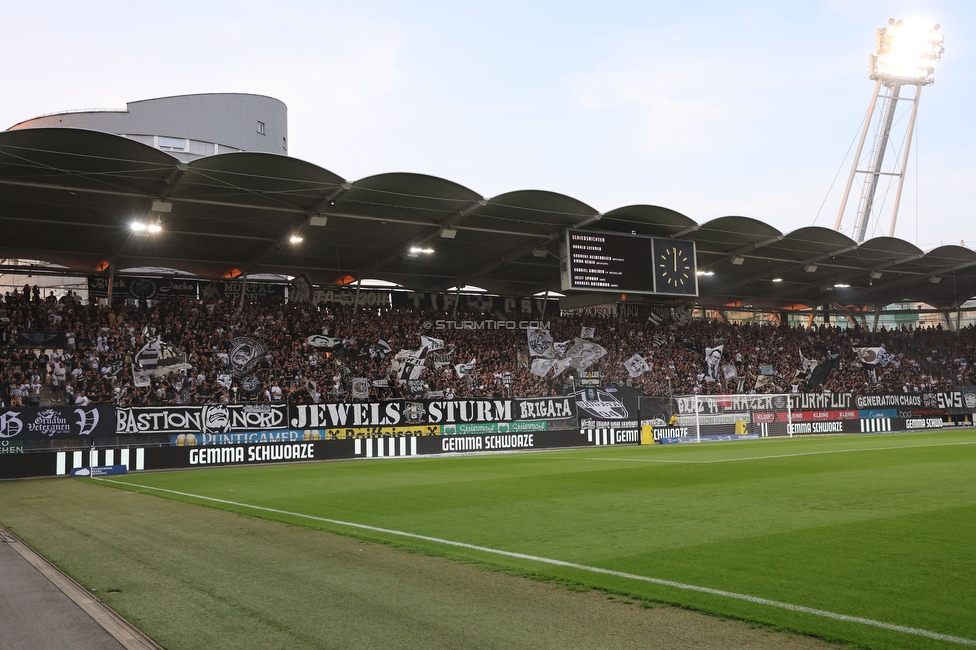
<point>868,540</point>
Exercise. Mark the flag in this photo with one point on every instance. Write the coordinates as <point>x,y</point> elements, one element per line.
<point>441,359</point>
<point>559,365</point>
<point>820,374</point>
<point>762,380</point>
<point>224,380</point>
<point>382,348</point>
<point>360,388</point>
<point>659,340</point>
<point>245,353</point>
<point>157,359</point>
<point>431,343</point>
<point>541,366</point>
<point>885,357</point>
<point>560,349</point>
<point>729,371</point>
<point>408,364</point>
<point>654,318</point>
<point>148,357</point>
<point>585,353</point>
<point>141,378</point>
<point>868,356</point>
<point>300,290</point>
<point>465,369</point>
<point>636,366</point>
<point>587,332</point>
<point>539,340</point>
<point>323,342</point>
<point>713,362</point>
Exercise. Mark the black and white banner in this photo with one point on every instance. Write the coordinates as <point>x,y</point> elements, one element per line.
<point>31,423</point>
<point>395,413</point>
<point>545,408</point>
<point>142,287</point>
<point>43,339</point>
<point>214,418</point>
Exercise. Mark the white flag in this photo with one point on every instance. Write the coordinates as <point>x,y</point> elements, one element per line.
<point>585,353</point>
<point>540,342</point>
<point>465,369</point>
<point>431,343</point>
<point>587,332</point>
<point>541,366</point>
<point>636,366</point>
<point>559,365</point>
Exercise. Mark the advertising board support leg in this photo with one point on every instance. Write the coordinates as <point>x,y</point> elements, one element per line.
<point>789,415</point>
<point>697,418</point>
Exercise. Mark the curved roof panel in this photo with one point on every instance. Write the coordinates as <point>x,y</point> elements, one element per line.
<point>239,211</point>
<point>646,220</point>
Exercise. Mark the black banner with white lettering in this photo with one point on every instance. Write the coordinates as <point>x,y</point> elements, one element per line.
<point>32,423</point>
<point>231,290</point>
<point>210,419</point>
<point>405,412</point>
<point>142,287</point>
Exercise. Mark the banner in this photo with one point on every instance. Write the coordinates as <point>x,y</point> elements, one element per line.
<point>142,287</point>
<point>481,303</point>
<point>212,418</point>
<point>545,408</point>
<point>399,413</point>
<point>32,423</point>
<point>43,339</point>
<point>231,290</point>
<point>329,296</point>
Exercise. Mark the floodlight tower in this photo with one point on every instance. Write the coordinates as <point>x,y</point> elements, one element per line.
<point>907,52</point>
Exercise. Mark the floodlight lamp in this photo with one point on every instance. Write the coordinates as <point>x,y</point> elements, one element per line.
<point>448,233</point>
<point>738,260</point>
<point>539,252</point>
<point>154,228</point>
<point>706,273</point>
<point>810,268</point>
<point>296,239</point>
<point>841,285</point>
<point>777,279</point>
<point>935,279</point>
<point>907,52</point>
<point>138,226</point>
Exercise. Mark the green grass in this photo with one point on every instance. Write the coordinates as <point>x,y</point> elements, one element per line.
<point>881,527</point>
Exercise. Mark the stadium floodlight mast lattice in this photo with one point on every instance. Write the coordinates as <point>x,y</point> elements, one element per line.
<point>907,53</point>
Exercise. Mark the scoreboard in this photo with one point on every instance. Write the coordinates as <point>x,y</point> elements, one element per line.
<point>619,263</point>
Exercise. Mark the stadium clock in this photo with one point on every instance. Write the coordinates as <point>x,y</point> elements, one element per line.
<point>674,267</point>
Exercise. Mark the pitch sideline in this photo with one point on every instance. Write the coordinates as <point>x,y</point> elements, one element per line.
<point>619,574</point>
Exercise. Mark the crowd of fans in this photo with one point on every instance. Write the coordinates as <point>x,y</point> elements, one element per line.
<point>100,343</point>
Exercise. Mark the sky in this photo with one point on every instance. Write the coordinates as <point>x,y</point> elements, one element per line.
<point>711,109</point>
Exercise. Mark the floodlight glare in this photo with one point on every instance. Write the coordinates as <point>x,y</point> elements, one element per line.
<point>295,239</point>
<point>154,228</point>
<point>138,226</point>
<point>908,51</point>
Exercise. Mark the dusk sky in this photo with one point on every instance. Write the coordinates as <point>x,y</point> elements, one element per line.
<point>708,108</point>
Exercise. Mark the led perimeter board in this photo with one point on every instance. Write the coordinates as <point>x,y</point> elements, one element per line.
<point>593,260</point>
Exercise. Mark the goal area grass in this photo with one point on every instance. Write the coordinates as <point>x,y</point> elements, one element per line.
<point>863,539</point>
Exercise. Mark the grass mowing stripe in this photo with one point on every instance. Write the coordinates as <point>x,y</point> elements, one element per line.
<point>620,574</point>
<point>805,453</point>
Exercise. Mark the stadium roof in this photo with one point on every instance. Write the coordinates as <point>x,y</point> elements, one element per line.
<point>68,196</point>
